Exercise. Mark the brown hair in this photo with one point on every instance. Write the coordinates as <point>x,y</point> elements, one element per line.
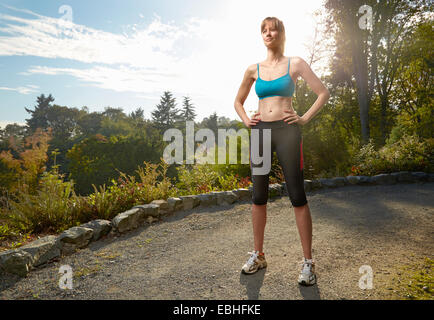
<point>278,24</point>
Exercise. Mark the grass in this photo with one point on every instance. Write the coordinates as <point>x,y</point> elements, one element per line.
<point>107,255</point>
<point>85,271</point>
<point>413,282</point>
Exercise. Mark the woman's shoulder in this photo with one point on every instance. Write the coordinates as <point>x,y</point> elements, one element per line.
<point>296,60</point>
<point>251,70</point>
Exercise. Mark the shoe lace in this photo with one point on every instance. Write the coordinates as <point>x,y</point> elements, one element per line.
<point>307,266</point>
<point>253,257</point>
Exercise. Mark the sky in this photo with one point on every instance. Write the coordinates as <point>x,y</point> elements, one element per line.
<point>125,54</point>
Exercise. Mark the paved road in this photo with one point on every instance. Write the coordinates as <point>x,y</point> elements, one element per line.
<point>198,254</point>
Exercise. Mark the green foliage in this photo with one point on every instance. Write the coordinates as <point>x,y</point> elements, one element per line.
<point>196,179</point>
<point>56,207</point>
<point>97,160</point>
<point>233,181</point>
<point>203,178</point>
<point>51,208</point>
<point>126,192</point>
<point>410,153</point>
<point>166,113</point>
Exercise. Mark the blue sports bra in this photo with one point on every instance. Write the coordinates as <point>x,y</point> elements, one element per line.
<point>282,86</point>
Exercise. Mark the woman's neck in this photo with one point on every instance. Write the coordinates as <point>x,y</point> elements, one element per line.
<point>274,56</point>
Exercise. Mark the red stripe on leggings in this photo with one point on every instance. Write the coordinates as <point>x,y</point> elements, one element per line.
<point>301,154</point>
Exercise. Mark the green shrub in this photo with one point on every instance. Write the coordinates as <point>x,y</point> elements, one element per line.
<point>126,192</point>
<point>50,209</point>
<point>410,153</point>
<point>200,178</point>
<point>233,181</point>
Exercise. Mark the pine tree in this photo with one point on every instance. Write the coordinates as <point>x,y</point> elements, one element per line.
<point>39,116</point>
<point>188,113</point>
<point>211,122</point>
<point>166,113</point>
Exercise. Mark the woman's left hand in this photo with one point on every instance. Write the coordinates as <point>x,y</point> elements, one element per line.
<point>293,117</point>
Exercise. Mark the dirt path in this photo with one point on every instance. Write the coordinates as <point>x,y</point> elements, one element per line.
<point>198,254</point>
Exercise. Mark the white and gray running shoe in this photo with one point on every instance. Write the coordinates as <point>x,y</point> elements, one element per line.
<point>307,275</point>
<point>254,263</point>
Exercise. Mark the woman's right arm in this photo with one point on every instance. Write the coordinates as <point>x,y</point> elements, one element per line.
<point>243,92</point>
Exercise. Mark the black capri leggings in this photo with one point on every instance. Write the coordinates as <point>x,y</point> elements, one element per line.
<point>287,142</point>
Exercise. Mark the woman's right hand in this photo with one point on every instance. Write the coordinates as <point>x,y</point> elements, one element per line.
<point>253,121</point>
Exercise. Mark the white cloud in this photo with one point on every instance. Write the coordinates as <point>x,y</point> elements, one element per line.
<point>23,90</point>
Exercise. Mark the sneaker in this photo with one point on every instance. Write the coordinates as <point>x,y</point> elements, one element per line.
<point>307,276</point>
<point>254,263</point>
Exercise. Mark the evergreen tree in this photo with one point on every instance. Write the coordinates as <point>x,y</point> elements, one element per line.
<point>39,116</point>
<point>166,113</point>
<point>211,123</point>
<point>188,113</point>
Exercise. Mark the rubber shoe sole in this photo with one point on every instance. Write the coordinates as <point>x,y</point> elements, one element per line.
<point>261,266</point>
<point>310,282</point>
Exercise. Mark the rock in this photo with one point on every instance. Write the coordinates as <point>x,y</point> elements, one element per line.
<point>402,176</point>
<point>328,183</point>
<point>284,189</point>
<point>100,228</point>
<point>307,185</point>
<point>150,209</point>
<point>353,179</point>
<point>225,197</point>
<point>175,204</point>
<point>339,181</point>
<point>73,238</point>
<point>16,262</point>
<point>274,190</point>
<point>243,194</point>
<point>151,219</point>
<point>190,202</point>
<point>42,250</point>
<point>384,178</point>
<point>316,184</point>
<point>207,199</point>
<point>128,220</point>
<point>164,206</point>
<point>365,180</point>
<point>420,176</point>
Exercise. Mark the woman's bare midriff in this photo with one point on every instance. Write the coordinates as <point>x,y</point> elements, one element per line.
<point>272,108</point>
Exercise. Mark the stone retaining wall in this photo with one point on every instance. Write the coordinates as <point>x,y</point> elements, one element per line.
<point>22,260</point>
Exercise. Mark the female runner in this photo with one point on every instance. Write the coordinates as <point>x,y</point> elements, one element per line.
<point>275,84</point>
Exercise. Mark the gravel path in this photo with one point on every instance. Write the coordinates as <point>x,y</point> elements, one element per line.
<point>198,254</point>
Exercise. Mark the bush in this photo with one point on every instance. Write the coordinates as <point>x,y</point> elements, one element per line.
<point>56,207</point>
<point>203,178</point>
<point>126,192</point>
<point>410,153</point>
<point>233,181</point>
<point>50,209</point>
<point>200,178</point>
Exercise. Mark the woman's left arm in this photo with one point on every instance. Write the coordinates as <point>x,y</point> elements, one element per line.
<point>303,69</point>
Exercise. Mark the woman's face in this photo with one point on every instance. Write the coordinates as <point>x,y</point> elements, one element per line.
<point>270,35</point>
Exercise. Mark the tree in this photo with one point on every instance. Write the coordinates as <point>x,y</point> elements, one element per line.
<point>89,123</point>
<point>39,115</point>
<point>114,114</point>
<point>166,113</point>
<point>374,54</point>
<point>187,113</point>
<point>137,117</point>
<point>211,122</point>
<point>11,136</point>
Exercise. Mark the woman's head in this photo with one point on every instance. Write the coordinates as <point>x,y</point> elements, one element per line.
<point>273,29</point>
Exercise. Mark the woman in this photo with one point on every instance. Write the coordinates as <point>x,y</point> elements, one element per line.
<point>275,83</point>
